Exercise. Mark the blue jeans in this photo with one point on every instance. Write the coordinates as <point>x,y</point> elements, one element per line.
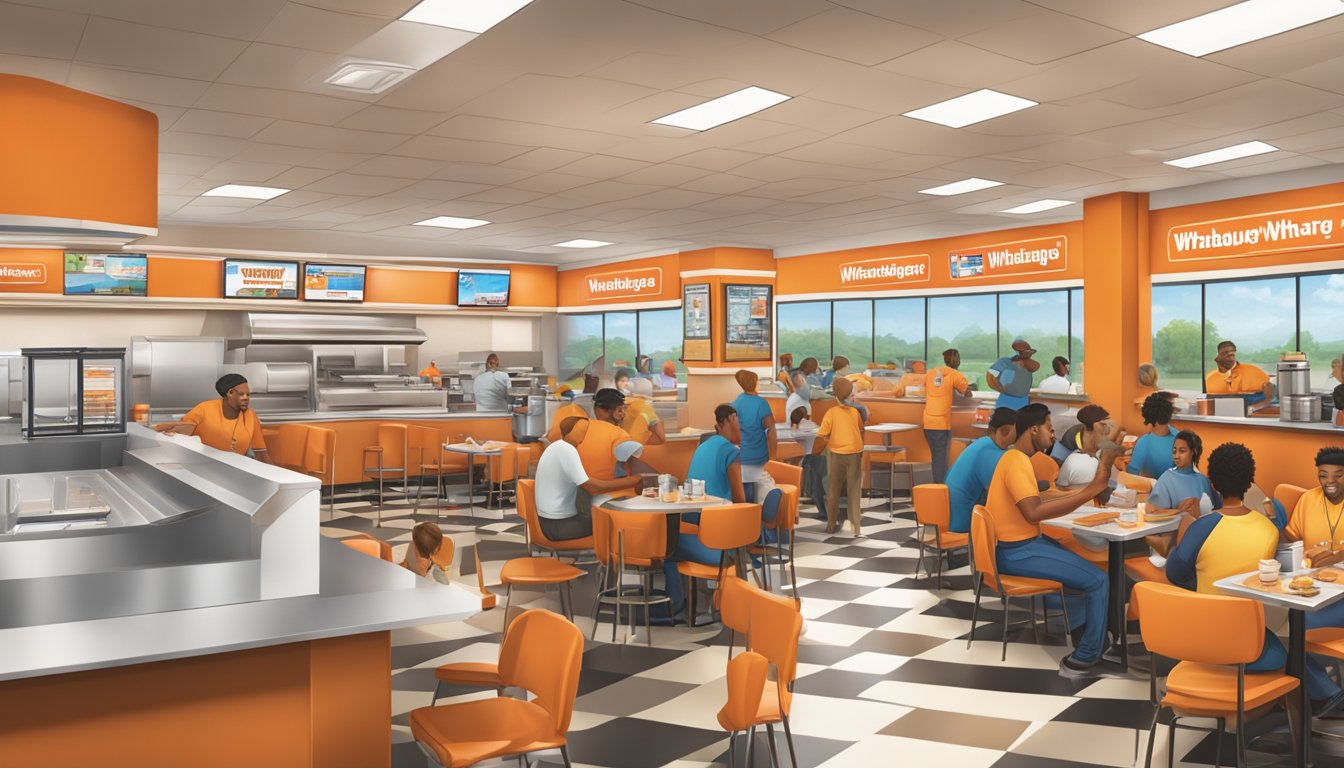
<point>940,440</point>
<point>1044,558</point>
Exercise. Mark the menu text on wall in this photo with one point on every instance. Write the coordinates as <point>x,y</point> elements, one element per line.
<point>1300,229</point>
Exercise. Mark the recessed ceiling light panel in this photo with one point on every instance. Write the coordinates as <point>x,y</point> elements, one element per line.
<point>961,187</point>
<point>1038,206</point>
<point>582,244</point>
<point>369,76</point>
<point>1249,149</point>
<point>724,109</point>
<point>972,108</point>
<point>451,222</point>
<point>1241,23</point>
<point>468,15</point>
<point>246,191</point>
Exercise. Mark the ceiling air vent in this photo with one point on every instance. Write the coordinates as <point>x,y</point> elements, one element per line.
<point>369,76</point>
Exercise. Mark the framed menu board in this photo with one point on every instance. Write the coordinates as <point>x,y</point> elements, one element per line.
<point>695,309</point>
<point>747,334</point>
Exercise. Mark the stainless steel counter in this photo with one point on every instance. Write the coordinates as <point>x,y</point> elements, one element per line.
<point>357,594</point>
<point>1264,422</point>
<point>386,414</point>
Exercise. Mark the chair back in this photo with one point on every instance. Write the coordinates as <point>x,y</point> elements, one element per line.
<point>392,438</point>
<point>542,653</point>
<point>791,474</point>
<point>504,467</point>
<point>775,627</point>
<point>362,542</point>
<point>319,452</point>
<point>734,596</point>
<point>747,673</point>
<point>727,527</point>
<point>288,447</point>
<point>1045,467</point>
<point>932,505</point>
<point>984,545</point>
<point>645,535</point>
<point>1208,629</point>
<point>444,557</point>
<point>527,509</point>
<point>604,549</point>
<point>786,517</point>
<point>425,445</point>
<point>1287,495</point>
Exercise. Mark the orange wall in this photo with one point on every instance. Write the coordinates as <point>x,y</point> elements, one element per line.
<point>185,278</point>
<point>409,286</point>
<point>574,290</point>
<point>72,155</point>
<point>821,272</point>
<point>1225,216</point>
<point>531,285</point>
<point>26,260</point>
<point>1116,299</point>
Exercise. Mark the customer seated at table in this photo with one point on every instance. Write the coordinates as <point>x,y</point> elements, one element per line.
<point>715,460</point>
<point>814,466</point>
<point>841,436</point>
<point>1182,489</point>
<point>1089,416</point>
<point>608,451</point>
<point>805,377</point>
<point>668,378</point>
<point>641,421</point>
<point>839,370</point>
<point>426,538</point>
<point>1081,465</point>
<point>1152,452</point>
<point>565,490</point>
<point>1233,541</point>
<point>1317,517</point>
<point>968,479</point>
<point>1017,509</point>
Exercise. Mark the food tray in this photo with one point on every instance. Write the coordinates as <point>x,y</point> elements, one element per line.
<point>1099,518</point>
<point>1280,588</point>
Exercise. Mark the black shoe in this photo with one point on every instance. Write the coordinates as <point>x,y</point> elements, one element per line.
<point>1320,707</point>
<point>1073,668</point>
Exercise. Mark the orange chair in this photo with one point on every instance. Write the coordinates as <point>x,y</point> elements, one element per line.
<point>1209,635</point>
<point>319,459</point>
<point>933,508</point>
<point>734,603</point>
<point>544,660</point>
<point>482,674</point>
<point>391,459</point>
<point>747,678</point>
<point>426,447</point>
<point>621,540</point>
<point>1045,467</point>
<point>536,571</point>
<point>894,459</point>
<point>984,546</point>
<point>728,528</point>
<point>954,449</point>
<point>287,448</point>
<point>775,627</point>
<point>362,542</point>
<point>503,470</point>
<point>1287,495</point>
<point>536,538</point>
<point>789,480</point>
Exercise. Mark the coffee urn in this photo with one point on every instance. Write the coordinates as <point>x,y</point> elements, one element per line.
<point>529,426</point>
<point>1296,402</point>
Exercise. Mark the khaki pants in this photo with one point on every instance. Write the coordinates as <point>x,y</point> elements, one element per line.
<point>845,476</point>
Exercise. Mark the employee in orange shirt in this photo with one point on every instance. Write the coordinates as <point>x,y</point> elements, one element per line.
<point>841,434</point>
<point>431,373</point>
<point>641,420</point>
<point>607,450</point>
<point>565,411</point>
<point>939,384</point>
<point>1014,503</point>
<point>227,424</point>
<point>1234,378</point>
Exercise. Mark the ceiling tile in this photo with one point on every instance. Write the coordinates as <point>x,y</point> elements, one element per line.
<point>28,31</point>
<point>717,159</point>
<point>282,105</point>
<point>378,118</point>
<point>336,161</point>
<point>552,182</point>
<point>665,174</point>
<point>1043,37</point>
<point>438,148</point>
<point>295,178</point>
<point>277,67</point>
<point>656,70</point>
<point>602,167</point>
<point>121,84</point>
<point>239,19</point>
<point>524,133</point>
<point>55,70</point>
<point>554,100</point>
<point>1259,103</point>
<point>220,123</point>
<point>299,25</point>
<point>156,50</point>
<point>952,62</point>
<point>232,171</point>
<point>178,142</point>
<point>322,137</point>
<point>853,36</point>
<point>400,167</point>
<point>355,184</point>
<point>440,190</point>
<point>543,159</point>
<point>1134,16</point>
<point>479,173</point>
<point>505,196</point>
<point>950,18</point>
<point>275,153</point>
<point>757,17</point>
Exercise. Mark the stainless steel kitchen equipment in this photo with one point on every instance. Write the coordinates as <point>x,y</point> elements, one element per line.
<point>1300,408</point>
<point>530,426</point>
<point>1294,378</point>
<point>73,391</point>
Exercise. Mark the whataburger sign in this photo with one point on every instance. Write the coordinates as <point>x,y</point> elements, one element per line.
<point>1020,257</point>
<point>23,274</point>
<point>643,283</point>
<point>890,270</point>
<point>1299,229</point>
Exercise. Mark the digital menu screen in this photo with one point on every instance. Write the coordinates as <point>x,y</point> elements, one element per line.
<point>748,322</point>
<point>106,274</point>
<point>483,288</point>
<point>261,279</point>
<point>333,282</point>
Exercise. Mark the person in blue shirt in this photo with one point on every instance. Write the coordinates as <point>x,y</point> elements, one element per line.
<point>1152,452</point>
<point>968,477</point>
<point>757,424</point>
<point>839,368</point>
<point>1011,376</point>
<point>1179,489</point>
<point>715,460</point>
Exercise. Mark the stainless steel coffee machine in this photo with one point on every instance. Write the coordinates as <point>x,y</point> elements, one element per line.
<point>1296,401</point>
<point>530,425</point>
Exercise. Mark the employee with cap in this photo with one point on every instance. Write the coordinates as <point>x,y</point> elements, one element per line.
<point>227,424</point>
<point>1011,376</point>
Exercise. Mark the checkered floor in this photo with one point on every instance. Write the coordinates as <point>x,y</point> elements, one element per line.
<point>885,676</point>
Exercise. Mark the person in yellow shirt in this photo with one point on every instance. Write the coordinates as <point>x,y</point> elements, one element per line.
<point>1015,505</point>
<point>939,384</point>
<point>227,424</point>
<point>641,421</point>
<point>1234,378</point>
<point>841,435</point>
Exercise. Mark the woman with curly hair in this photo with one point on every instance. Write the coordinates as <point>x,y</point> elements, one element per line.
<point>1152,452</point>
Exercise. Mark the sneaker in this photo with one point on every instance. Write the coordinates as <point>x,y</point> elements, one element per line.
<point>1076,669</point>
<point>1320,707</point>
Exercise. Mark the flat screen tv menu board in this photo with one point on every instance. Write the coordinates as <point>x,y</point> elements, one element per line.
<point>333,282</point>
<point>106,274</point>
<point>483,288</point>
<point>261,279</point>
<point>748,326</point>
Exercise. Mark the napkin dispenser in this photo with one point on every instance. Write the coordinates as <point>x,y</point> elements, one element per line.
<point>1229,405</point>
<point>1290,556</point>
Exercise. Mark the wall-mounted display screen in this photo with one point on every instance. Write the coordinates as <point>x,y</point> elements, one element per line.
<point>333,282</point>
<point>261,279</point>
<point>106,274</point>
<point>748,322</point>
<point>483,288</point>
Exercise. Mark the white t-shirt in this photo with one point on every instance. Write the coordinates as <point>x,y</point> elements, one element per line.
<point>1056,384</point>
<point>491,389</point>
<point>559,475</point>
<point>795,402</point>
<point>1077,470</point>
<point>806,435</point>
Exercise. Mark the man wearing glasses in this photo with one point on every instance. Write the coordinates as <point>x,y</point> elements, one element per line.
<point>1234,378</point>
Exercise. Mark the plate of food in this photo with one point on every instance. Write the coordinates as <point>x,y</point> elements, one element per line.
<point>1304,586</point>
<point>1152,518</point>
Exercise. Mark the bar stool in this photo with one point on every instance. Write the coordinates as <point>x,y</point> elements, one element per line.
<point>319,460</point>
<point>894,459</point>
<point>391,459</point>
<point>932,511</point>
<point>628,540</point>
<point>503,470</point>
<point>426,445</point>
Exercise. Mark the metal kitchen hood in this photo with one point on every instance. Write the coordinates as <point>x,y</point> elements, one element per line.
<point>245,328</point>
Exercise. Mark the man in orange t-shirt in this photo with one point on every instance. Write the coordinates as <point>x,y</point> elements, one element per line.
<point>939,384</point>
<point>226,424</point>
<point>1015,506</point>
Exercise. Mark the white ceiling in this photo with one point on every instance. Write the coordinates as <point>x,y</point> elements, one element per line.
<point>541,125</point>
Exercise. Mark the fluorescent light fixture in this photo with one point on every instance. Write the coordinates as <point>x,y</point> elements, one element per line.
<point>1249,149</point>
<point>451,222</point>
<point>961,187</point>
<point>1038,206</point>
<point>468,15</point>
<point>582,244</point>
<point>724,109</point>
<point>369,77</point>
<point>243,190</point>
<point>1241,23</point>
<point>972,108</point>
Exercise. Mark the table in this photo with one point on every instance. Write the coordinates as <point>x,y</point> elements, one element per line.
<point>658,506</point>
<point>472,451</point>
<point>1298,607</point>
<point>887,429</point>
<point>1115,537</point>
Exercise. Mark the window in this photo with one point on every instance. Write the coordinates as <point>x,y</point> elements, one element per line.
<point>805,331</point>
<point>968,323</point>
<point>1042,319</point>
<point>660,338</point>
<point>1259,316</point>
<point>1076,334</point>
<point>622,337</point>
<point>1321,299</point>
<point>852,332</point>
<point>580,342</point>
<point>1177,341</point>
<point>899,328</point>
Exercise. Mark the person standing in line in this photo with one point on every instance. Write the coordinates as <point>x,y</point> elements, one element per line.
<point>939,384</point>
<point>1011,376</point>
<point>841,435</point>
<point>757,424</point>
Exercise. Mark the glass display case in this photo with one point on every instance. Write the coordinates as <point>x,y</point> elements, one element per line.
<point>73,391</point>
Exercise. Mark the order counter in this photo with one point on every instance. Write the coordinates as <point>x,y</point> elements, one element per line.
<point>1284,450</point>
<point>166,602</point>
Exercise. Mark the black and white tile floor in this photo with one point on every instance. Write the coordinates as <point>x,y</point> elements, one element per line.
<point>884,675</point>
